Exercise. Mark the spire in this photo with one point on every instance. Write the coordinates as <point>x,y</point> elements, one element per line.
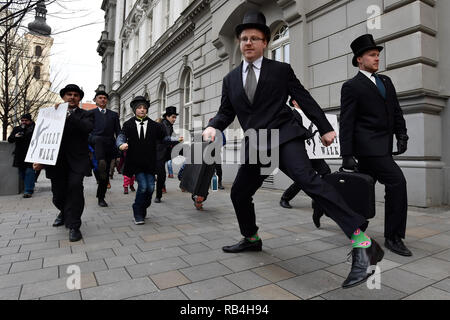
<point>39,26</point>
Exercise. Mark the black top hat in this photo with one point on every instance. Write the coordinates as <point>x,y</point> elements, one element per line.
<point>138,101</point>
<point>363,44</point>
<point>71,88</point>
<point>254,20</point>
<point>101,93</point>
<point>170,111</point>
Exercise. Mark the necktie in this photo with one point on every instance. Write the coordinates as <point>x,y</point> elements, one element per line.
<point>104,111</point>
<point>380,85</point>
<point>142,134</point>
<point>251,83</point>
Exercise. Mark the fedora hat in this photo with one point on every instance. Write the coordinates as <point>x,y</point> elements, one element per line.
<point>254,20</point>
<point>71,88</point>
<point>363,44</point>
<point>170,111</point>
<point>138,101</point>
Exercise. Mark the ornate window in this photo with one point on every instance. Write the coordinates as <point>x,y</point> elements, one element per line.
<point>280,46</point>
<point>187,99</point>
<point>163,98</point>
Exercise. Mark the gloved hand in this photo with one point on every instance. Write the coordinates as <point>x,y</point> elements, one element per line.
<point>349,163</point>
<point>402,144</point>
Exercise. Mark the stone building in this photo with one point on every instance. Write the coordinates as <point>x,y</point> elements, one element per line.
<point>176,52</point>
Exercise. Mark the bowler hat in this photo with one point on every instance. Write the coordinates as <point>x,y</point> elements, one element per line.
<point>254,20</point>
<point>101,93</point>
<point>170,111</point>
<point>138,101</point>
<point>363,44</point>
<point>71,88</point>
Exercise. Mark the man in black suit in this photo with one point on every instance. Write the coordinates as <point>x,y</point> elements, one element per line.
<point>103,140</point>
<point>256,92</point>
<point>72,165</point>
<point>370,116</point>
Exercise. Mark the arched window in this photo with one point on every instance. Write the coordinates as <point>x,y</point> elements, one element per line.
<point>38,51</point>
<point>280,46</point>
<point>163,98</point>
<point>37,72</point>
<point>188,86</point>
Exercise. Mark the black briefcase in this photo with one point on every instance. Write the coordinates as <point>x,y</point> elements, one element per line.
<point>197,177</point>
<point>357,189</point>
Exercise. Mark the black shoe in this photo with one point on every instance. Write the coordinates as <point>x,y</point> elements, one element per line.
<point>244,245</point>
<point>27,195</point>
<point>285,204</point>
<point>317,214</point>
<point>75,235</point>
<point>397,246</point>
<point>157,200</point>
<point>362,259</point>
<point>59,221</point>
<point>102,203</point>
<point>221,187</point>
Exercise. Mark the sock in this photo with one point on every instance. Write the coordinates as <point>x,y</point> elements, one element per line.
<point>254,238</point>
<point>360,240</point>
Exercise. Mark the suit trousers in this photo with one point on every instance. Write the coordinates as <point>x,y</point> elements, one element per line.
<point>387,172</point>
<point>68,196</point>
<point>161,180</point>
<point>103,180</point>
<point>294,162</point>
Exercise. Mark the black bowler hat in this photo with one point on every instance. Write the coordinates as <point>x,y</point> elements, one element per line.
<point>138,101</point>
<point>101,93</point>
<point>71,88</point>
<point>254,20</point>
<point>170,111</point>
<point>363,44</point>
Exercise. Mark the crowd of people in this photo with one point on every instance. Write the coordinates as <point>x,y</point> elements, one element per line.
<point>255,92</point>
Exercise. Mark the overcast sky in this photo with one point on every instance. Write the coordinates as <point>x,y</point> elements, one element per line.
<point>74,54</point>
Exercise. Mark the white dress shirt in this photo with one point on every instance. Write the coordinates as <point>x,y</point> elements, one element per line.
<point>256,67</point>
<point>101,110</point>
<point>369,75</point>
<point>138,125</point>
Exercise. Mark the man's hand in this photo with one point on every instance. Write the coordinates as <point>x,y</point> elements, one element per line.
<point>209,134</point>
<point>328,138</point>
<point>349,163</point>
<point>123,147</point>
<point>37,166</point>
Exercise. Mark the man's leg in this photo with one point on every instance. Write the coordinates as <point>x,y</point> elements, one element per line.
<point>161,181</point>
<point>149,192</point>
<point>140,202</point>
<point>29,181</point>
<point>103,180</point>
<point>74,203</point>
<point>219,173</point>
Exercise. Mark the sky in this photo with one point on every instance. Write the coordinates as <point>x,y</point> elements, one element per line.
<point>74,57</point>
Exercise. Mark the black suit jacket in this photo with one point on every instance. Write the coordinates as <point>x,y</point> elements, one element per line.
<point>22,145</point>
<point>163,149</point>
<point>276,83</point>
<point>106,125</point>
<point>368,121</point>
<point>74,151</point>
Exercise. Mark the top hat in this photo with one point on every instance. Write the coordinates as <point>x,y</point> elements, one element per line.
<point>254,20</point>
<point>362,44</point>
<point>170,111</point>
<point>71,88</point>
<point>101,93</point>
<point>138,101</point>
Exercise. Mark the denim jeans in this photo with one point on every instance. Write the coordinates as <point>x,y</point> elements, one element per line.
<point>169,167</point>
<point>28,175</point>
<point>146,186</point>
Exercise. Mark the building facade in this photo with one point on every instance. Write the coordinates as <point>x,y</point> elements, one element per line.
<point>176,53</point>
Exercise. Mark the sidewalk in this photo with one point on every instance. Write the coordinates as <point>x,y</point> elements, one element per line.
<point>177,254</point>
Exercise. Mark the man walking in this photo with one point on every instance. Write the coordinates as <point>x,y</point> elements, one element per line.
<point>72,165</point>
<point>103,140</point>
<point>370,117</point>
<point>256,92</point>
<point>21,136</point>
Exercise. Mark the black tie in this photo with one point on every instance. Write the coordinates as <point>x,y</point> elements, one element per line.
<point>104,111</point>
<point>380,85</point>
<point>142,135</point>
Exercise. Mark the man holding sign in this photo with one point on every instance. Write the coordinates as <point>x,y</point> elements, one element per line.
<point>72,164</point>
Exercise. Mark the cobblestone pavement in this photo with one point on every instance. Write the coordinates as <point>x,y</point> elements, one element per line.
<point>177,254</point>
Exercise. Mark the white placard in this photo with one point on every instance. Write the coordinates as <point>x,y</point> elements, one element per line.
<point>314,146</point>
<point>47,135</point>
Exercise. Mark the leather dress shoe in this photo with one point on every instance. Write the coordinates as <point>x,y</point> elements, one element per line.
<point>244,245</point>
<point>75,235</point>
<point>285,204</point>
<point>362,259</point>
<point>157,200</point>
<point>221,187</point>
<point>59,221</point>
<point>397,246</point>
<point>102,203</point>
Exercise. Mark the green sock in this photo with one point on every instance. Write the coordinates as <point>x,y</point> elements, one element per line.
<point>254,238</point>
<point>360,240</point>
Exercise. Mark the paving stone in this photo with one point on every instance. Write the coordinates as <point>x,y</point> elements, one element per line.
<point>273,273</point>
<point>195,248</point>
<point>100,254</point>
<point>269,292</point>
<point>332,256</point>
<point>148,246</point>
<point>430,293</point>
<point>9,250</point>
<point>26,266</point>
<point>405,281</point>
<point>39,246</point>
<point>163,236</point>
<point>430,268</point>
<point>65,259</point>
<point>169,279</point>
<point>4,268</point>
<point>10,293</point>
<point>445,255</point>
<point>206,257</point>
<point>119,290</point>
<point>122,261</point>
<point>47,253</point>
<point>343,269</point>
<point>205,271</point>
<point>96,246</point>
<point>15,279</point>
<point>286,253</point>
<point>361,292</point>
<point>443,285</point>
<point>66,243</point>
<point>421,232</point>
<point>111,276</point>
<point>249,261</point>
<point>192,239</point>
<point>165,295</point>
<point>86,267</point>
<point>23,256</point>
<point>121,251</point>
<point>312,284</point>
<point>73,295</point>
<point>247,280</point>
<point>302,265</point>
<point>210,289</point>
<point>160,254</point>
<point>146,269</point>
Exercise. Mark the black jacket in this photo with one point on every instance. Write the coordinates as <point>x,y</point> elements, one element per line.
<point>276,83</point>
<point>74,151</point>
<point>22,144</point>
<point>106,125</point>
<point>163,150</point>
<point>368,121</point>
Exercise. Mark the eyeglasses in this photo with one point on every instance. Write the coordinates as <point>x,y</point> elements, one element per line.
<point>252,39</point>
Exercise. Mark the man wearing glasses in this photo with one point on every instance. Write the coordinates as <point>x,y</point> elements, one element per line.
<point>256,92</point>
